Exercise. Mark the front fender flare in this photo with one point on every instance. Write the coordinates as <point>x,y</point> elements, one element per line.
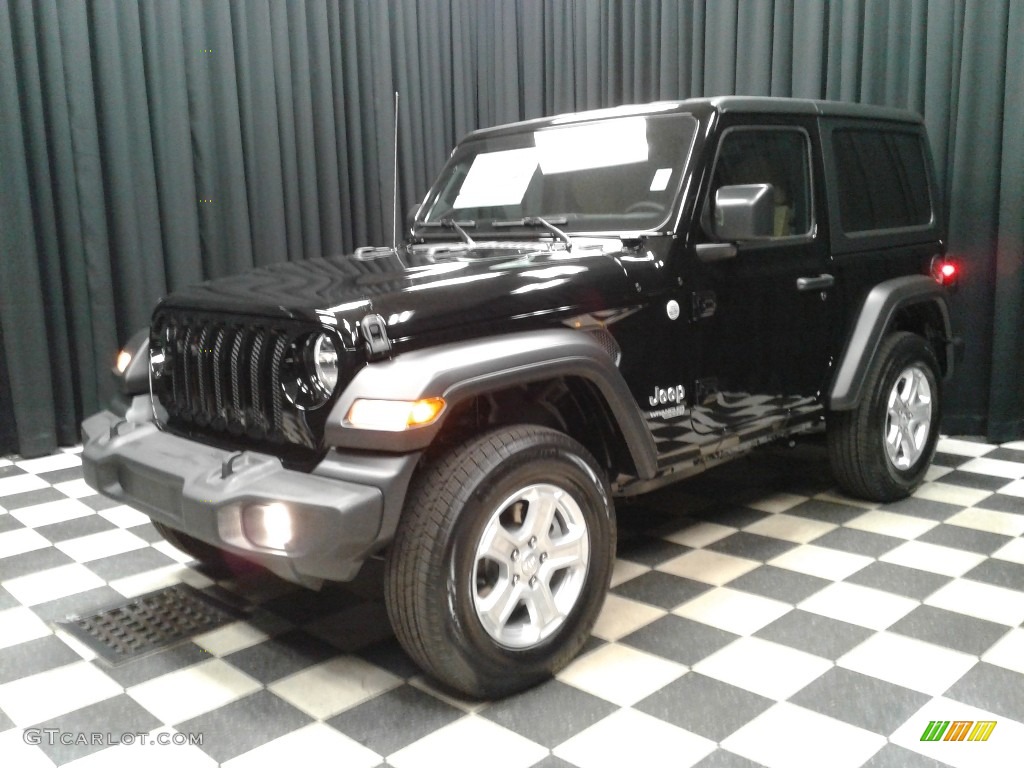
<point>876,316</point>
<point>465,369</point>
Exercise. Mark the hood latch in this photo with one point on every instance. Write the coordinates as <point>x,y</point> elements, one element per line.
<point>375,334</point>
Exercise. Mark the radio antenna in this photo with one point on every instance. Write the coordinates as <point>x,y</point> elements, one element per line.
<point>394,186</point>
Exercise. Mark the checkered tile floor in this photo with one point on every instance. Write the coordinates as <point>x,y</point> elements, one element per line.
<point>756,618</point>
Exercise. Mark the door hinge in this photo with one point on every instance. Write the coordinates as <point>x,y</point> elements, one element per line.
<point>705,390</point>
<point>704,304</point>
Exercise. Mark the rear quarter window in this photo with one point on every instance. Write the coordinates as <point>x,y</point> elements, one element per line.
<point>882,180</point>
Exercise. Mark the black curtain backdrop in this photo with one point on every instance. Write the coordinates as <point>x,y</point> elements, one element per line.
<point>8,431</point>
<point>147,145</point>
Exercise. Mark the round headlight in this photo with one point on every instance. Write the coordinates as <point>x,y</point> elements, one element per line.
<point>325,363</point>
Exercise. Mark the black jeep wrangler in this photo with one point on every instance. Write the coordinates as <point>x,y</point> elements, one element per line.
<point>586,308</point>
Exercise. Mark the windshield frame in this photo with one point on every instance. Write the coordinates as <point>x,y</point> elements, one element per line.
<point>422,230</point>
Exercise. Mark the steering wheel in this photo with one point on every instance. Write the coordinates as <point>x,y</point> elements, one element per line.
<point>646,206</point>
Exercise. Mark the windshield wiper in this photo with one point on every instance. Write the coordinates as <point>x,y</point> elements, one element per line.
<point>537,221</point>
<point>450,223</point>
<point>447,222</point>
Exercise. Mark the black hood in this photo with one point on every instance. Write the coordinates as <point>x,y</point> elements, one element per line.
<point>438,289</point>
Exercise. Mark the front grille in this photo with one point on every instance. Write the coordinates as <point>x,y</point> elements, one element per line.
<point>223,378</point>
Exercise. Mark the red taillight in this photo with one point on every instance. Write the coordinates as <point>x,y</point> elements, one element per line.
<point>945,272</point>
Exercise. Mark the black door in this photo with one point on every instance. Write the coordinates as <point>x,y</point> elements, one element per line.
<point>764,316</point>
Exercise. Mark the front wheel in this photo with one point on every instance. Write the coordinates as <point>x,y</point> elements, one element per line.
<point>881,449</point>
<point>502,560</point>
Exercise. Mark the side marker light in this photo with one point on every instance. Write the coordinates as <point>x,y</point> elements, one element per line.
<point>394,415</point>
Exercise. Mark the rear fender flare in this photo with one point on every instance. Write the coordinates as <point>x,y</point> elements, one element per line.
<point>875,319</point>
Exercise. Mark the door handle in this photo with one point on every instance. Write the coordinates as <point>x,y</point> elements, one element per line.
<point>819,283</point>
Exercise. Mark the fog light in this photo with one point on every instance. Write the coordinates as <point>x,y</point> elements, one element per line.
<point>268,525</point>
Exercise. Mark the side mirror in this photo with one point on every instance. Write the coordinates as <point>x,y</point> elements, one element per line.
<point>744,212</point>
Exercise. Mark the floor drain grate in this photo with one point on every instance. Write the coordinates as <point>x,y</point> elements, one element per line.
<point>149,622</point>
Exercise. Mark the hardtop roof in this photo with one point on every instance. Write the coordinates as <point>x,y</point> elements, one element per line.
<point>722,104</point>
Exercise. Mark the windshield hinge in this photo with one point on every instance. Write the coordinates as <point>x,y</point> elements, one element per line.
<point>375,334</point>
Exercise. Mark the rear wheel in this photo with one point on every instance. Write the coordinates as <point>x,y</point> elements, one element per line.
<point>502,560</point>
<point>882,448</point>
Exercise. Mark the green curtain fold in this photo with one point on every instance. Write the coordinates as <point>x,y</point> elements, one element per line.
<point>147,145</point>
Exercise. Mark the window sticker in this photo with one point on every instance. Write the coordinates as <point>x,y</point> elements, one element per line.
<point>498,178</point>
<point>660,181</point>
<point>593,145</point>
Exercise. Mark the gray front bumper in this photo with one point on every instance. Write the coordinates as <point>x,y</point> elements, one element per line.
<point>342,512</point>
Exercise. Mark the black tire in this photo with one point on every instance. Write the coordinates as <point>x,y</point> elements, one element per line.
<point>867,458</point>
<point>435,578</point>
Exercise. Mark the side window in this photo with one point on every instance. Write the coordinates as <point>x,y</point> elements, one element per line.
<point>882,180</point>
<point>770,156</point>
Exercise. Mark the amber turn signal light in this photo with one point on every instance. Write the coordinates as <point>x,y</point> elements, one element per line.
<point>394,415</point>
<point>124,359</point>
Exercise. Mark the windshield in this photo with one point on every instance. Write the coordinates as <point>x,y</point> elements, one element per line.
<point>614,175</point>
